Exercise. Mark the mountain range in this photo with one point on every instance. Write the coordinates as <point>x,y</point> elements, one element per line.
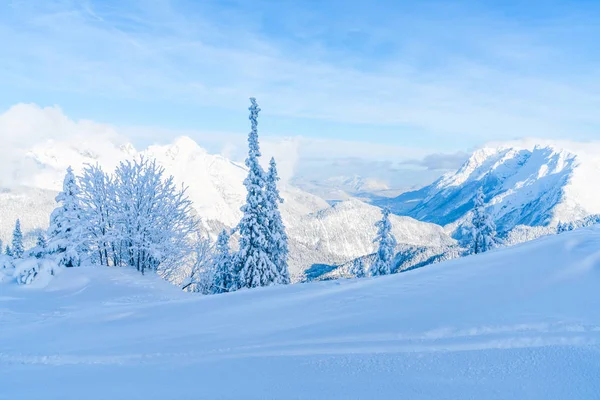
<point>530,189</point>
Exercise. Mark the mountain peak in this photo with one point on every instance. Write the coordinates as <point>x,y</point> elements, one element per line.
<point>530,184</point>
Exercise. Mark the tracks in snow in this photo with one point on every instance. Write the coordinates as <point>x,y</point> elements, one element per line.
<point>438,340</point>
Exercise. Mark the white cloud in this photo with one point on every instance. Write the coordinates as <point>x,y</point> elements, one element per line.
<point>26,126</point>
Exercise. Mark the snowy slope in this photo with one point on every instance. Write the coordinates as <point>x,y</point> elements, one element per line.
<point>537,185</point>
<point>464,329</point>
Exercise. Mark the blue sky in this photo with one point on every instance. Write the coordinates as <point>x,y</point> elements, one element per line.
<point>434,76</point>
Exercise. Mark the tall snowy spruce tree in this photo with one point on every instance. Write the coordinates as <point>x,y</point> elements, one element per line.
<point>253,264</point>
<point>484,228</point>
<point>223,265</point>
<point>278,240</point>
<point>387,245</point>
<point>65,231</point>
<point>18,249</point>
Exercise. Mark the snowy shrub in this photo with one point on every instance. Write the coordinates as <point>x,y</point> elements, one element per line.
<point>6,262</point>
<point>31,269</point>
<point>201,276</point>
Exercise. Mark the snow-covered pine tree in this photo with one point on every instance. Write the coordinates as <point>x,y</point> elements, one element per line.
<point>278,239</point>
<point>8,251</point>
<point>387,245</point>
<point>358,268</point>
<point>223,265</point>
<point>41,241</point>
<point>253,263</point>
<point>484,228</point>
<point>18,249</point>
<point>65,234</point>
<point>41,246</point>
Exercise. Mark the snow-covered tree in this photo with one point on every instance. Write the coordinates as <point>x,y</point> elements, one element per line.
<point>387,245</point>
<point>223,265</point>
<point>484,228</point>
<point>278,239</point>
<point>41,246</point>
<point>18,250</point>
<point>41,241</point>
<point>65,231</point>
<point>358,268</point>
<point>8,251</point>
<point>98,204</point>
<point>253,263</point>
<point>154,218</point>
<point>202,276</point>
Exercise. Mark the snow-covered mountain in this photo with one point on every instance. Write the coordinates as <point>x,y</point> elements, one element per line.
<point>318,233</point>
<point>537,185</point>
<point>348,229</point>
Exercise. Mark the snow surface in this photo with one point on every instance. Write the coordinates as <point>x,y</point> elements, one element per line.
<point>521,322</point>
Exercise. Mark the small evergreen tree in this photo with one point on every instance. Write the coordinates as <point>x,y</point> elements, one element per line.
<point>484,228</point>
<point>278,239</point>
<point>41,240</point>
<point>18,249</point>
<point>8,251</point>
<point>223,265</point>
<point>41,246</point>
<point>65,231</point>
<point>358,268</point>
<point>253,264</point>
<point>387,245</point>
